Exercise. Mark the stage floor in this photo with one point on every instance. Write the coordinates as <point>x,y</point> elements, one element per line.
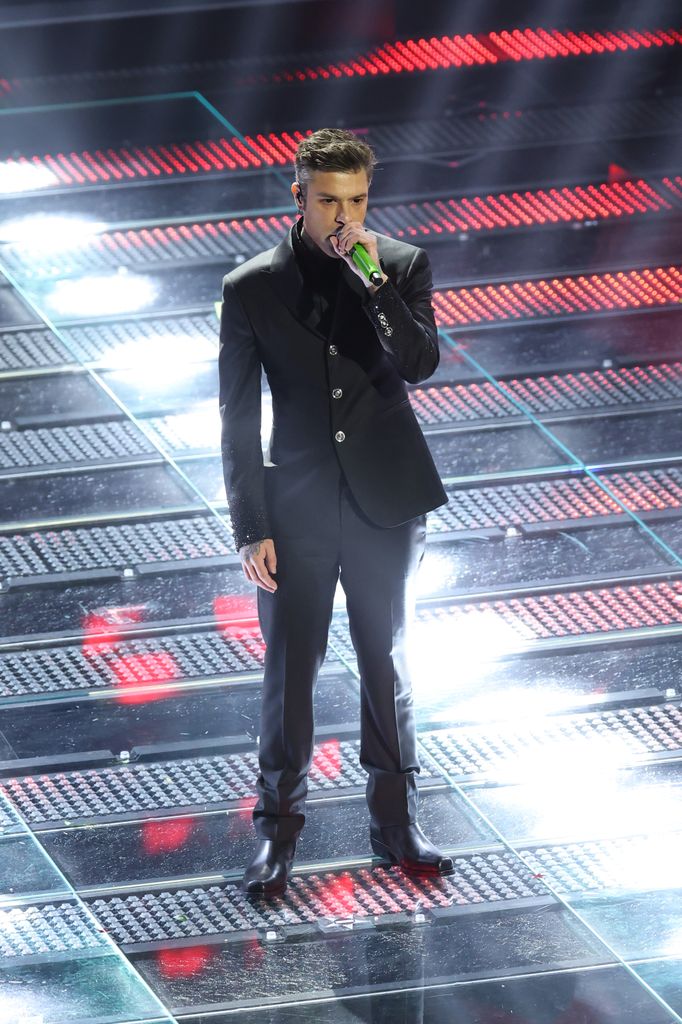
<point>549,628</point>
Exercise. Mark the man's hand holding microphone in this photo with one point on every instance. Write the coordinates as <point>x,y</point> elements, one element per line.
<point>364,259</point>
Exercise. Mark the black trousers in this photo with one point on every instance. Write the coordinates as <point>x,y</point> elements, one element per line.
<point>321,536</point>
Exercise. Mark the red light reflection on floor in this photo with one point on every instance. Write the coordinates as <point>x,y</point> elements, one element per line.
<point>235,608</point>
<point>237,617</point>
<point>166,836</point>
<point>184,962</point>
<point>336,894</point>
<point>327,758</point>
<point>150,673</point>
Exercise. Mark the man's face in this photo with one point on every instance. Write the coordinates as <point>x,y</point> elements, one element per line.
<point>332,199</point>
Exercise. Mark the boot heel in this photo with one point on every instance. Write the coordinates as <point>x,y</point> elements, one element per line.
<point>381,850</point>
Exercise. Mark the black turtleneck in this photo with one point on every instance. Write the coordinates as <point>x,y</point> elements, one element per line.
<point>321,273</point>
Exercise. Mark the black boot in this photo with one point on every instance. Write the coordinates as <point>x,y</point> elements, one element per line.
<point>408,846</point>
<point>268,872</point>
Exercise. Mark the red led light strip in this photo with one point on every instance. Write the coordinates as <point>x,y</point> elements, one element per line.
<point>199,157</point>
<point>247,236</point>
<point>438,53</point>
<point>440,218</point>
<point>522,209</point>
<point>566,296</point>
<point>559,500</point>
<point>261,152</point>
<point>556,393</point>
<point>581,611</point>
<point>208,238</point>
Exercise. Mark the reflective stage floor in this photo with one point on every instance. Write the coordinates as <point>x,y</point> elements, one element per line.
<point>549,629</point>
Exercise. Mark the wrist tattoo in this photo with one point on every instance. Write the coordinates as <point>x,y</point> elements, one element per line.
<point>251,550</point>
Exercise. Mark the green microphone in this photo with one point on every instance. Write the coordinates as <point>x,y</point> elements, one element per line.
<point>364,261</point>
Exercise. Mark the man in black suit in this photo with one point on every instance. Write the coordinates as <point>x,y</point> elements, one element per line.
<point>343,492</point>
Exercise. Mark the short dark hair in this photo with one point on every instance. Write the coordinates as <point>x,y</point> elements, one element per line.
<point>332,149</point>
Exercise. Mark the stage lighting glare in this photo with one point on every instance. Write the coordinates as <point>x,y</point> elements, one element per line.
<point>150,354</point>
<point>596,806</point>
<point>41,236</point>
<point>673,947</point>
<point>102,295</point>
<point>435,572</point>
<point>266,421</point>
<point>195,430</point>
<point>510,703</point>
<point>447,655</point>
<point>580,759</point>
<point>15,177</point>
<point>27,1007</point>
<point>653,863</point>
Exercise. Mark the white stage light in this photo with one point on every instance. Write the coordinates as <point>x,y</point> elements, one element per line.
<point>174,351</point>
<point>192,431</point>
<point>435,574</point>
<point>48,235</point>
<point>16,177</point>
<point>448,655</point>
<point>103,295</point>
<point>587,804</point>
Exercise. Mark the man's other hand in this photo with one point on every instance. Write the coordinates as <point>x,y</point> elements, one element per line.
<point>258,562</point>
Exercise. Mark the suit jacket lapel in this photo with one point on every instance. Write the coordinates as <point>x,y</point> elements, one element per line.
<point>287,281</point>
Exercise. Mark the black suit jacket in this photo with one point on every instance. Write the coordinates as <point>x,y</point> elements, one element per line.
<point>337,400</point>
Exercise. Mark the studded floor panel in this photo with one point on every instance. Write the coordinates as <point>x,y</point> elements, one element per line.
<point>168,544</point>
<point>140,790</point>
<point>322,901</point>
<point>579,612</point>
<point>153,544</point>
<point>110,343</point>
<point>7,822</point>
<point>414,57</point>
<point>113,164</point>
<point>370,893</point>
<point>105,660</point>
<point>624,736</point>
<point>548,617</point>
<point>22,350</point>
<point>531,126</point>
<point>587,294</point>
<point>48,932</point>
<point>364,893</point>
<point>549,397</point>
<point>90,444</point>
<point>538,504</point>
<point>121,343</point>
<point>152,919</point>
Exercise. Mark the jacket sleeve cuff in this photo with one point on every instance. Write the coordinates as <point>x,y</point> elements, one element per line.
<point>380,306</point>
<point>251,531</point>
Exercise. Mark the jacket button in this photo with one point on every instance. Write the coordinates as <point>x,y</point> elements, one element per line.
<point>340,436</point>
<point>337,393</point>
<point>333,350</point>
